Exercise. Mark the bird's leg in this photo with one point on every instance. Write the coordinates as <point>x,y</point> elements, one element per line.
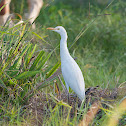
<point>68,95</point>
<point>62,84</point>
<point>68,98</point>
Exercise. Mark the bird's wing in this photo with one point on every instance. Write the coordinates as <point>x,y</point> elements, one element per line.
<point>73,76</point>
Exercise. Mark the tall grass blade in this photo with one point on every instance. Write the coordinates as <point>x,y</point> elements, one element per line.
<point>17,63</point>
<point>37,60</point>
<point>3,85</point>
<point>26,74</point>
<point>2,7</point>
<point>29,54</point>
<point>44,61</point>
<point>53,70</point>
<point>40,37</point>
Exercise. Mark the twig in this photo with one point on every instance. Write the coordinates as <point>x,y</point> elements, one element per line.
<point>87,119</point>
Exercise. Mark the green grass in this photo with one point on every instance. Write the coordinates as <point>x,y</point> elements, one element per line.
<point>98,42</point>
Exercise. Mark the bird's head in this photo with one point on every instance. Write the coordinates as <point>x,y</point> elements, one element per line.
<point>59,29</point>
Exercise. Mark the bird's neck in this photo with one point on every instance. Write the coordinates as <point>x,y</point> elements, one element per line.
<point>64,53</point>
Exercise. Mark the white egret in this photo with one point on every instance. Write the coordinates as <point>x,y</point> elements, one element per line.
<point>71,72</point>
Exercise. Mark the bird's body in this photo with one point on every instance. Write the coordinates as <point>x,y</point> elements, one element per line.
<point>71,72</point>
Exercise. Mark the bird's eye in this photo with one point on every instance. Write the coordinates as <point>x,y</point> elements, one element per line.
<point>58,28</point>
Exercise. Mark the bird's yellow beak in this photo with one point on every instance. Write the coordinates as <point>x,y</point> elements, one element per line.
<point>52,28</point>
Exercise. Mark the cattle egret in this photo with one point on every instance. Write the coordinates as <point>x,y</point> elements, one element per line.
<point>70,70</point>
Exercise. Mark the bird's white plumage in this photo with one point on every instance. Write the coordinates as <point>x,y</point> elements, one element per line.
<point>71,72</point>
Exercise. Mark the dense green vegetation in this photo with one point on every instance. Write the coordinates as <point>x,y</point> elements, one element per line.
<point>99,46</point>
<point>96,37</point>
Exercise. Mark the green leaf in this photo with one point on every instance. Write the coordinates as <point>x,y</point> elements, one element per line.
<point>2,7</point>
<point>53,69</point>
<point>12,71</point>
<point>37,60</point>
<point>44,61</point>
<point>18,62</point>
<point>3,85</point>
<point>39,37</point>
<point>2,32</point>
<point>23,30</point>
<point>26,74</point>
<point>29,54</point>
<point>9,60</point>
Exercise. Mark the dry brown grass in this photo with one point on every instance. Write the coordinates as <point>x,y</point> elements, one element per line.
<point>42,104</point>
